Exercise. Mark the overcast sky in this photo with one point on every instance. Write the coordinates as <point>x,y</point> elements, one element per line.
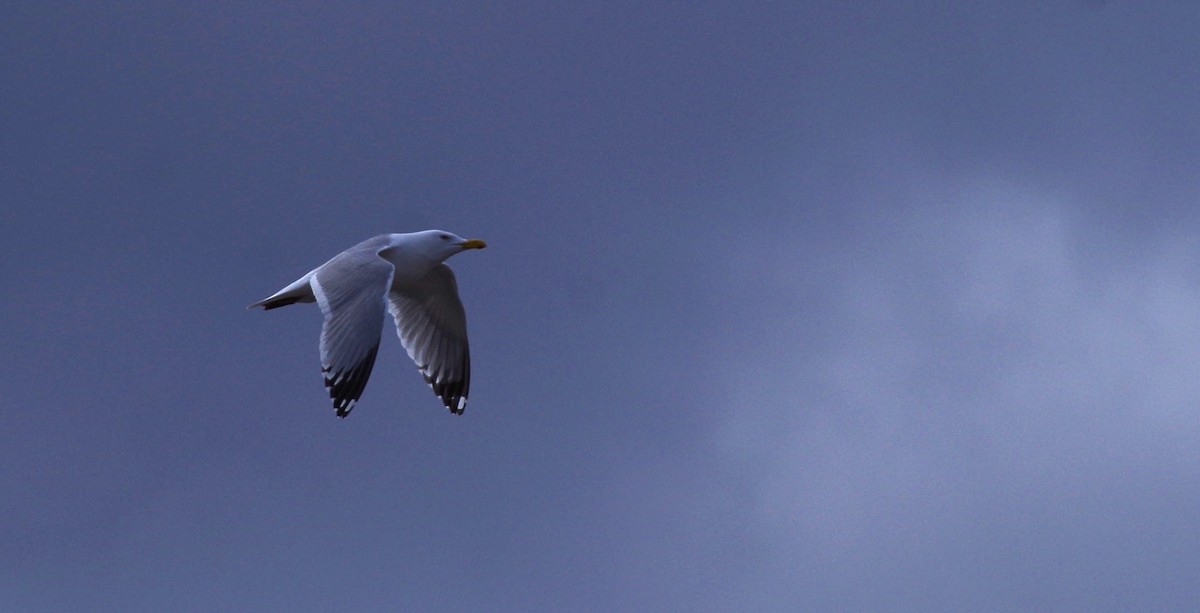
<point>787,306</point>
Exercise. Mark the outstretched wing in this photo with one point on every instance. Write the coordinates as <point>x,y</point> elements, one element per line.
<point>433,328</point>
<point>351,290</point>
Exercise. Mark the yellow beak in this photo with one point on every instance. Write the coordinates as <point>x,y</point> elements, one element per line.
<point>473,243</point>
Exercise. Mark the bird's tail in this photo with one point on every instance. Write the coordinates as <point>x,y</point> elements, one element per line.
<point>298,291</point>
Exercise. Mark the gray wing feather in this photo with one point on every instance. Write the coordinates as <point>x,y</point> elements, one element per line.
<point>351,290</point>
<point>432,325</point>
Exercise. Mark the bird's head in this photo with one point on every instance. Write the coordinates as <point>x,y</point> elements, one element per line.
<point>438,245</point>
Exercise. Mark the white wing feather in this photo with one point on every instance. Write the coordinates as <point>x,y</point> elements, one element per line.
<point>432,325</point>
<point>351,290</point>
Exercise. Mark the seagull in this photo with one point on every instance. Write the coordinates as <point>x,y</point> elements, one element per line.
<point>404,274</point>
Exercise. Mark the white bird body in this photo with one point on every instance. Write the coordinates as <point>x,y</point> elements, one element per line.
<point>403,274</point>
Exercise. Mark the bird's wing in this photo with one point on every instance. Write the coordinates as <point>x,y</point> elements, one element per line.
<point>351,290</point>
<point>433,328</point>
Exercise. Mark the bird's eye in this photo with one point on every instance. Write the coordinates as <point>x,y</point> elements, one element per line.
<point>444,237</point>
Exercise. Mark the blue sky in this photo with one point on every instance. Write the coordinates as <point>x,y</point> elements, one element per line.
<point>786,306</point>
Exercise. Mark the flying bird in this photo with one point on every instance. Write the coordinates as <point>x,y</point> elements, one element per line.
<point>404,274</point>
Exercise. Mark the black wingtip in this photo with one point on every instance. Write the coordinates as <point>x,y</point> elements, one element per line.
<point>456,403</point>
<point>453,394</point>
<point>346,387</point>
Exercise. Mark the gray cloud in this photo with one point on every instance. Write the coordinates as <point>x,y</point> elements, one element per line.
<point>991,416</point>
